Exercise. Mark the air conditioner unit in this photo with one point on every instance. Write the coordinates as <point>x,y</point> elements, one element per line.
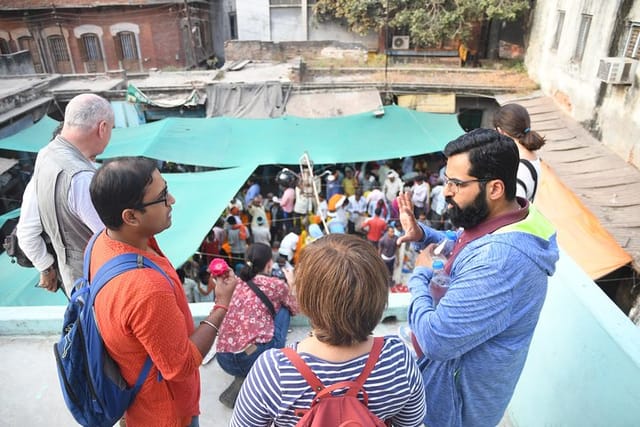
<point>400,42</point>
<point>617,70</point>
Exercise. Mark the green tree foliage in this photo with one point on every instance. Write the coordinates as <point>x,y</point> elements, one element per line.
<point>428,22</point>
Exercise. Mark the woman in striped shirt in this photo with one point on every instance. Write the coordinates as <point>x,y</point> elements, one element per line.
<point>341,285</point>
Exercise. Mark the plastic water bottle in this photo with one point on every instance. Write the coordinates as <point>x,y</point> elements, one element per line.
<point>445,247</point>
<point>439,282</point>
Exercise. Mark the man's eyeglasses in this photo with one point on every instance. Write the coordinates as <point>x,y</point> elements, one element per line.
<point>164,195</point>
<point>454,184</point>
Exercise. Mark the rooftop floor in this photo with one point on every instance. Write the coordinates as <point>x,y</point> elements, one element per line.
<point>31,393</point>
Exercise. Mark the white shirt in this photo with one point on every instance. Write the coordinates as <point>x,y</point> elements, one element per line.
<point>288,245</point>
<point>29,228</point>
<point>356,207</point>
<point>524,175</point>
<point>419,194</point>
<point>392,188</point>
<point>323,209</point>
<point>438,202</point>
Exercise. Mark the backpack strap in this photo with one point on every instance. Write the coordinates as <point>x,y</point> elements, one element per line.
<point>354,386</point>
<point>112,268</point>
<point>534,176</point>
<point>374,355</point>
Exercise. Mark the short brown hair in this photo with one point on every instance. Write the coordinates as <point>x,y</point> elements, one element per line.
<point>341,286</point>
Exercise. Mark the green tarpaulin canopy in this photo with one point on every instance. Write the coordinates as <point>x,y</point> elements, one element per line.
<point>200,198</point>
<point>228,142</point>
<point>241,145</point>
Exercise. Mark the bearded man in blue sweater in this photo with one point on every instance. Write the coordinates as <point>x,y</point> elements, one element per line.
<point>473,344</point>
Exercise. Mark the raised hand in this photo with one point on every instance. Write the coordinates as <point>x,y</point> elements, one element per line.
<point>412,231</point>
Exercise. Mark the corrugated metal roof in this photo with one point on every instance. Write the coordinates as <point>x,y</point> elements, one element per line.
<point>604,182</point>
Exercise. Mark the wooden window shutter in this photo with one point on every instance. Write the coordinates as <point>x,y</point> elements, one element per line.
<point>83,49</point>
<point>118,45</point>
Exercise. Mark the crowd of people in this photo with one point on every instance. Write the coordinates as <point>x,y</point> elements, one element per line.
<point>328,254</point>
<point>352,200</point>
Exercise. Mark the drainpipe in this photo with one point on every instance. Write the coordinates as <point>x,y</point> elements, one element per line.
<point>305,20</point>
<point>190,36</point>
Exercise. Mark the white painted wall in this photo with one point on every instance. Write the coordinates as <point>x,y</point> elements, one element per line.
<point>286,24</point>
<point>258,21</point>
<point>253,20</point>
<point>334,31</point>
<point>618,118</point>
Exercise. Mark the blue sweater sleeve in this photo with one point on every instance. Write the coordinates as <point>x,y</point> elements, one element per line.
<point>430,235</point>
<point>476,307</point>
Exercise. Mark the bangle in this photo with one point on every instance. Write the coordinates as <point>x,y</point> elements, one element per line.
<point>206,322</point>
<point>224,307</point>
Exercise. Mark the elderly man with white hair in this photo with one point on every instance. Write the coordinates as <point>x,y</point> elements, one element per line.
<point>57,199</point>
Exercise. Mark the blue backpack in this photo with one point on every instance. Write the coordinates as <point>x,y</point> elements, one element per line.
<point>92,386</point>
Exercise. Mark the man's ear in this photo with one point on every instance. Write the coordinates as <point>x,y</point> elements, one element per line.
<point>495,189</point>
<point>103,127</point>
<point>129,217</point>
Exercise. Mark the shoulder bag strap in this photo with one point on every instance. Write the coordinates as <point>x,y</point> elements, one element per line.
<point>265,300</point>
<point>534,175</point>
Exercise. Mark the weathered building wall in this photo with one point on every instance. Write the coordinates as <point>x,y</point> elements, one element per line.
<point>286,24</point>
<point>253,20</point>
<point>619,115</point>
<point>335,31</point>
<point>236,50</point>
<point>610,111</point>
<point>260,20</point>
<point>161,36</point>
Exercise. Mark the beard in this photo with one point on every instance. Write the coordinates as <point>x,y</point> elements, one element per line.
<point>470,216</point>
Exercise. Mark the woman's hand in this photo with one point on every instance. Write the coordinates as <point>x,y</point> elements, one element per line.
<point>224,288</point>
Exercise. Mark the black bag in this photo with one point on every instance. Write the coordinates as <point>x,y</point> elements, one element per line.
<point>12,247</point>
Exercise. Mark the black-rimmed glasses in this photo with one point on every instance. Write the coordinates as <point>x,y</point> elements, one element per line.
<point>452,183</point>
<point>164,196</point>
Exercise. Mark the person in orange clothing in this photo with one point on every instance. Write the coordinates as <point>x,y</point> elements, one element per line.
<point>375,227</point>
<point>139,312</point>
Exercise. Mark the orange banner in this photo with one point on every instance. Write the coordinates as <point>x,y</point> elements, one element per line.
<point>580,234</point>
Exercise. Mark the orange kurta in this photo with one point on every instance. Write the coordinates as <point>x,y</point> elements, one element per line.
<point>139,313</point>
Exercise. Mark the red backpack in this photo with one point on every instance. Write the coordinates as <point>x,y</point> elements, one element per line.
<point>346,410</point>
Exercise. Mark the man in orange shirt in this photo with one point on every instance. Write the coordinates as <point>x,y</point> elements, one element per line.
<point>375,226</point>
<point>139,312</point>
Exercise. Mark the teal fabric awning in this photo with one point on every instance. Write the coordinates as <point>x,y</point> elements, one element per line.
<point>240,145</point>
<point>230,142</point>
<point>200,198</point>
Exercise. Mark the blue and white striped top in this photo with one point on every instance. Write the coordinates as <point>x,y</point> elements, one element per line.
<point>274,387</point>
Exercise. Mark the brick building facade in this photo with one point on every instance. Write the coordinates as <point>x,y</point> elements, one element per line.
<point>76,36</point>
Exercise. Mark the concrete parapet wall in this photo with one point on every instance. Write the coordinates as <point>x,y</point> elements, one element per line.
<point>47,320</point>
<point>584,361</point>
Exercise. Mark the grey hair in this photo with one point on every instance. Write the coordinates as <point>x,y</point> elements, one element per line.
<point>85,111</point>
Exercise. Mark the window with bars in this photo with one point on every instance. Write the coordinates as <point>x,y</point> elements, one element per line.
<point>583,34</point>
<point>197,35</point>
<point>58,48</point>
<point>558,33</point>
<point>126,45</point>
<point>92,51</point>
<point>632,45</point>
